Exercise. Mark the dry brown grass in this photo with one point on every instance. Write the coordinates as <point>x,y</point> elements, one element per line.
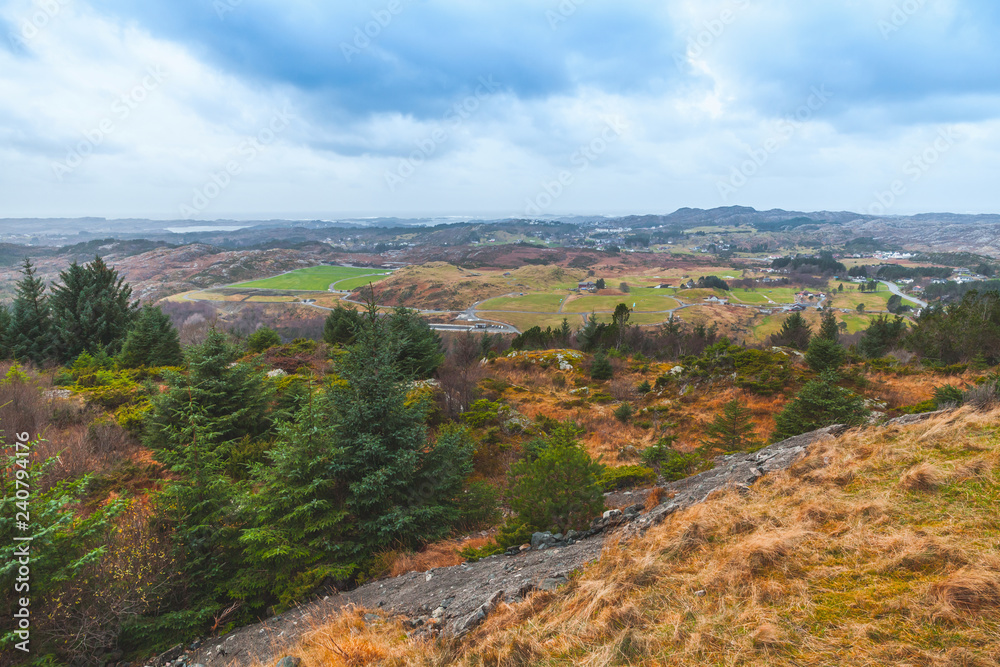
<point>438,554</point>
<point>805,569</point>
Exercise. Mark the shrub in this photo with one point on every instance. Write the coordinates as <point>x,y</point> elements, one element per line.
<point>644,387</point>
<point>559,490</point>
<point>732,430</point>
<point>600,367</point>
<point>948,396</point>
<point>627,477</point>
<point>672,464</point>
<point>824,355</point>
<point>820,403</point>
<point>624,412</point>
<point>262,339</point>
<point>478,506</point>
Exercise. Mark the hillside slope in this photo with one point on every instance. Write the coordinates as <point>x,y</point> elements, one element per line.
<point>878,547</point>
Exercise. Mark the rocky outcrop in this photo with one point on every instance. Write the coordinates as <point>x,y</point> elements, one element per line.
<point>455,600</point>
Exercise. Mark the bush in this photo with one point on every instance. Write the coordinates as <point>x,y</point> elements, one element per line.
<point>624,412</point>
<point>820,403</point>
<point>478,506</point>
<point>948,396</point>
<point>644,387</point>
<point>672,464</point>
<point>824,355</point>
<point>559,490</point>
<point>627,477</point>
<point>262,339</point>
<point>600,367</point>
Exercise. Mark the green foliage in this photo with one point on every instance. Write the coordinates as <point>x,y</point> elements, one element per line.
<point>624,412</point>
<point>483,413</point>
<point>948,396</point>
<point>626,477</point>
<point>92,310</point>
<point>959,332</point>
<point>478,506</point>
<point>761,371</point>
<point>419,347</point>
<point>66,541</point>
<point>152,341</point>
<point>353,475</point>
<point>829,328</point>
<point>825,354</point>
<point>600,367</point>
<point>4,328</point>
<point>341,326</point>
<point>820,403</point>
<point>882,335</point>
<point>262,339</point>
<point>795,333</point>
<point>600,284</point>
<point>559,490</point>
<point>732,430</point>
<point>29,334</point>
<point>644,387</point>
<point>671,464</point>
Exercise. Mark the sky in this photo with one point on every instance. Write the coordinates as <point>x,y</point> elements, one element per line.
<point>250,109</point>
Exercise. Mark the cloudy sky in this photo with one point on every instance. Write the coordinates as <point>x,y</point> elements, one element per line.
<point>207,109</point>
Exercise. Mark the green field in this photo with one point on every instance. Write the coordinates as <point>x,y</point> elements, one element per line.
<point>538,303</point>
<point>643,302</point>
<point>317,278</point>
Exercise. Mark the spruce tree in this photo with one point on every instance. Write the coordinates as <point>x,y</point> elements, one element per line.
<point>341,325</point>
<point>732,430</point>
<point>152,341</point>
<point>232,398</point>
<point>29,335</point>
<point>92,310</point>
<point>824,355</point>
<point>353,475</point>
<point>600,367</point>
<point>820,403</point>
<point>828,328</point>
<point>795,332</point>
<point>418,346</point>
<point>4,328</point>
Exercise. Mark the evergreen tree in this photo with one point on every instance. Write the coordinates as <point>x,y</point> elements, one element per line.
<point>92,310</point>
<point>828,329</point>
<point>600,284</point>
<point>882,335</point>
<point>262,339</point>
<point>560,490</point>
<point>600,367</point>
<point>795,332</point>
<point>232,399</point>
<point>29,333</point>
<point>824,355</point>
<point>152,341</point>
<point>619,321</point>
<point>419,346</point>
<point>4,328</point>
<point>341,326</point>
<point>732,430</point>
<point>353,475</point>
<point>565,333</point>
<point>820,403</point>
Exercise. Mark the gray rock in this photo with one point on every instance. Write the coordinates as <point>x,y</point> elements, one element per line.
<point>552,583</point>
<point>289,661</point>
<point>465,625</point>
<point>543,540</point>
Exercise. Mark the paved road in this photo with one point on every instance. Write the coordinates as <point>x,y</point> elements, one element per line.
<point>898,292</point>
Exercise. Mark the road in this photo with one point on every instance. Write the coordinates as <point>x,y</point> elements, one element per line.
<point>895,290</point>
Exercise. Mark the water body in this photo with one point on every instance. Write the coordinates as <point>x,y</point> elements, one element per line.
<point>206,228</point>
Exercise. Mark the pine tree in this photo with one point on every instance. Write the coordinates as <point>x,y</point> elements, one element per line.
<point>565,332</point>
<point>4,328</point>
<point>828,329</point>
<point>92,310</point>
<point>263,339</point>
<point>820,403</point>
<point>824,355</point>
<point>559,490</point>
<point>732,430</point>
<point>152,341</point>
<point>419,346</point>
<point>341,325</point>
<point>795,332</point>
<point>600,367</point>
<point>30,330</point>
<point>233,400</point>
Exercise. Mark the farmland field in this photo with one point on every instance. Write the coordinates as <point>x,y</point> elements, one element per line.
<point>317,278</point>
<point>539,303</point>
<point>643,303</point>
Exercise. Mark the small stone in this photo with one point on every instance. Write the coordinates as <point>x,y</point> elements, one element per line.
<point>438,613</point>
<point>289,661</point>
<point>552,583</point>
<point>700,594</point>
<point>612,514</point>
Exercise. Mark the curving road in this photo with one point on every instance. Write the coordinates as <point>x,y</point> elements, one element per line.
<point>898,292</point>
